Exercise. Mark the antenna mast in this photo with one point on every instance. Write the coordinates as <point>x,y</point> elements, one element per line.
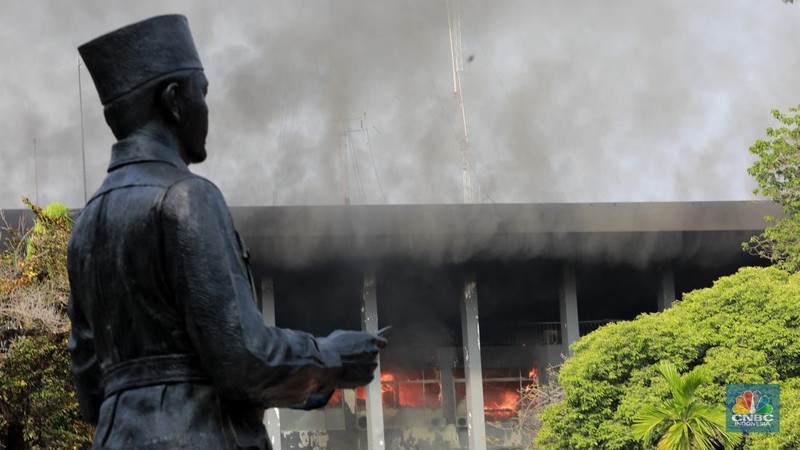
<point>83,146</point>
<point>345,185</point>
<point>36,169</point>
<point>454,26</point>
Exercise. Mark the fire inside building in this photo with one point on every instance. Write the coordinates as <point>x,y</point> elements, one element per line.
<point>482,300</point>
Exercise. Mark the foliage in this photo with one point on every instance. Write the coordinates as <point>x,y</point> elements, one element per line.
<point>682,421</point>
<point>38,408</point>
<point>33,274</point>
<point>46,246</point>
<point>777,172</point>
<point>744,329</point>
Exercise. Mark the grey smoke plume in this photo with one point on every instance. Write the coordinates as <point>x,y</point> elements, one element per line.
<point>578,101</point>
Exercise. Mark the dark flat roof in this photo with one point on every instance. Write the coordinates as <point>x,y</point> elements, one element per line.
<point>706,233</point>
<point>502,218</point>
<point>633,233</point>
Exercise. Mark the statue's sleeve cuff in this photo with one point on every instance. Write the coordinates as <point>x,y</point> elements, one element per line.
<point>328,354</point>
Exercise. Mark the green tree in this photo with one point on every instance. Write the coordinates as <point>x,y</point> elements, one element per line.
<point>46,245</point>
<point>683,422</point>
<point>38,408</point>
<point>744,329</point>
<point>777,172</point>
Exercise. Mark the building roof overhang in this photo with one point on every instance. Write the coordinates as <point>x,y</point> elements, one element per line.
<point>629,233</point>
<point>705,233</point>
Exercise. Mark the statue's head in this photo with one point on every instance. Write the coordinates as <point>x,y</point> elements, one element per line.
<point>149,77</point>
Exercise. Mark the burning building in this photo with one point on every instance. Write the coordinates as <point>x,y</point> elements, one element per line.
<point>482,299</point>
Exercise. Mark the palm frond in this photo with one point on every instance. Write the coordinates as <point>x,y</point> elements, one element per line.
<point>691,381</point>
<point>713,425</point>
<point>648,420</point>
<point>675,438</point>
<point>670,373</point>
<point>689,424</point>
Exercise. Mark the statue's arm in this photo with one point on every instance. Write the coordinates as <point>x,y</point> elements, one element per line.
<point>246,361</point>
<point>85,369</point>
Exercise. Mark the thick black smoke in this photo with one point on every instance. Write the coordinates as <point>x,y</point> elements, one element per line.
<point>578,101</point>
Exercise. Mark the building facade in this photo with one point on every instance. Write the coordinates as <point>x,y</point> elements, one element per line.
<point>482,300</point>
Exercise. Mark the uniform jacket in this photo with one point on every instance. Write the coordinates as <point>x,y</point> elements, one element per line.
<point>168,348</point>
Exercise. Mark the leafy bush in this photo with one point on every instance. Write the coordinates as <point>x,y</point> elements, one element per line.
<point>38,408</point>
<point>744,329</point>
<point>37,399</point>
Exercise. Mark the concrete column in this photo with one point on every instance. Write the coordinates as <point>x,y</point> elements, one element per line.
<point>350,409</point>
<point>568,305</point>
<point>473,372</point>
<point>666,289</point>
<point>369,323</point>
<point>272,418</point>
<point>445,357</point>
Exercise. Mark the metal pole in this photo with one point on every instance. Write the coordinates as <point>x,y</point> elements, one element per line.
<point>369,323</point>
<point>272,417</point>
<point>36,169</point>
<point>457,57</point>
<point>83,143</point>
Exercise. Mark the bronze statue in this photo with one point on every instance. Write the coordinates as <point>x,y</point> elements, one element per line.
<point>168,348</point>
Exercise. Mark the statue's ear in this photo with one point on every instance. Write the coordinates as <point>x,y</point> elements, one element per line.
<point>170,102</point>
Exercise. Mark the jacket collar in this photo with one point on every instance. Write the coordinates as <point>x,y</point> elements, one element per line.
<point>138,149</point>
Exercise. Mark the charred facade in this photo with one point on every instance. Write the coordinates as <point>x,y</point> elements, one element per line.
<point>482,298</point>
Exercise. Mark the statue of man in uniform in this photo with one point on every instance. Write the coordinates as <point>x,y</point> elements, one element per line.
<point>167,346</point>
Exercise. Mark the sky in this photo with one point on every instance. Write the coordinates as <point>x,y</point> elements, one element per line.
<point>578,101</point>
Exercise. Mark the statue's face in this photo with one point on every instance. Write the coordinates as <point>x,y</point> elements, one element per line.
<point>194,125</point>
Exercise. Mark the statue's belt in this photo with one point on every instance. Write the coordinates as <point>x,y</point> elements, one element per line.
<point>152,370</point>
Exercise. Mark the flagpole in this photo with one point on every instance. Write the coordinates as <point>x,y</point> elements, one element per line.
<point>83,143</point>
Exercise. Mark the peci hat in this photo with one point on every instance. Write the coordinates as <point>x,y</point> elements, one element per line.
<point>129,57</point>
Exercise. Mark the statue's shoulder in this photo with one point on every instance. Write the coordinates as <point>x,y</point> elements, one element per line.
<point>192,194</point>
<point>194,185</point>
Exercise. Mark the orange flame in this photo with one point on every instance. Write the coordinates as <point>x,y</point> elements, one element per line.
<point>387,376</point>
<point>405,389</point>
<point>336,398</point>
<point>504,405</point>
<point>387,388</point>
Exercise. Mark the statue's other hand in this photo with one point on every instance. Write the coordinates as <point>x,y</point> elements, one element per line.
<point>358,351</point>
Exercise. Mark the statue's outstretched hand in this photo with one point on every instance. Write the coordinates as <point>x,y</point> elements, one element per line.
<point>358,351</point>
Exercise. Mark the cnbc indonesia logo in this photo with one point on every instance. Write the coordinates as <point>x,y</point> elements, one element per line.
<point>752,408</point>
